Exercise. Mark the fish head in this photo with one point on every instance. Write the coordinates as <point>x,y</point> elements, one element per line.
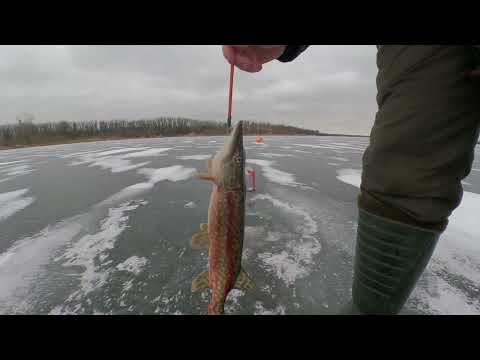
<point>228,165</point>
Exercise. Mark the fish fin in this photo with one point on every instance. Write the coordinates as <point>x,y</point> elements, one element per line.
<point>200,282</point>
<point>205,176</point>
<point>200,240</point>
<point>244,282</point>
<point>204,227</point>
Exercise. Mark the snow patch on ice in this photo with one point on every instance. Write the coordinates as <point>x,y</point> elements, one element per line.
<point>273,236</point>
<point>60,310</point>
<point>85,253</point>
<point>68,156</point>
<point>118,160</point>
<point>13,171</point>
<point>20,172</point>
<point>310,225</point>
<point>116,165</point>
<point>272,174</point>
<point>273,155</point>
<point>119,151</point>
<point>146,153</point>
<point>3,164</point>
<point>21,264</point>
<point>14,201</point>
<point>339,158</point>
<point>17,170</point>
<point>253,231</point>
<point>7,179</point>
<point>284,267</point>
<point>333,146</point>
<point>296,260</point>
<point>463,223</point>
<point>350,176</point>
<point>12,195</point>
<point>232,303</point>
<point>190,205</point>
<point>260,309</point>
<point>263,163</point>
<point>439,297</point>
<point>133,264</point>
<point>127,285</point>
<point>128,193</point>
<point>194,157</point>
<point>171,173</point>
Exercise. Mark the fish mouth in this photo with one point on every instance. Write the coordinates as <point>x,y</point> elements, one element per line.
<point>235,141</point>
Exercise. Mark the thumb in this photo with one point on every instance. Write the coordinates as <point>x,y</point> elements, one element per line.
<point>229,53</point>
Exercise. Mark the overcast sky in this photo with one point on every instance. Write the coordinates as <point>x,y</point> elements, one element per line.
<point>329,87</point>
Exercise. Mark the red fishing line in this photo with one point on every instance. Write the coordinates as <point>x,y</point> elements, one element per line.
<point>229,119</point>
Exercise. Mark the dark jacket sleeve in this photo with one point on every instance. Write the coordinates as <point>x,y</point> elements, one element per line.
<point>476,50</point>
<point>292,52</point>
<point>475,74</point>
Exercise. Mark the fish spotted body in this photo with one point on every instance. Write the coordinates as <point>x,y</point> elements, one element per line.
<point>224,233</point>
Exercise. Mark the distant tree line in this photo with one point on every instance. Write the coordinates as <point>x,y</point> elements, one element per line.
<point>24,134</point>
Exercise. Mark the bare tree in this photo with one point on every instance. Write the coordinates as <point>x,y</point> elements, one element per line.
<point>25,132</point>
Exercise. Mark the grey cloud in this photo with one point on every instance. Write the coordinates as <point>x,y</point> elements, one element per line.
<point>330,88</point>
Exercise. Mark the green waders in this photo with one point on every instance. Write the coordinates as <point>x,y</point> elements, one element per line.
<point>421,147</point>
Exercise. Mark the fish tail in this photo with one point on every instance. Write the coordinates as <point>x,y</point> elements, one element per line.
<point>217,303</point>
<point>216,308</point>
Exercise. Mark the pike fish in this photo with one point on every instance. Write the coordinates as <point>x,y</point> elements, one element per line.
<point>224,233</point>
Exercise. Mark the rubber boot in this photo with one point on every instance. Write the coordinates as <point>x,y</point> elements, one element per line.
<point>389,259</point>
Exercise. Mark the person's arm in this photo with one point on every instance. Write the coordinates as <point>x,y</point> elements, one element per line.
<point>475,73</point>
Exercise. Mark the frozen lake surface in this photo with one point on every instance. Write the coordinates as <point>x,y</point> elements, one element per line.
<point>105,228</point>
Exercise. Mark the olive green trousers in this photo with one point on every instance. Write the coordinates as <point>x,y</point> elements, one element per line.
<point>422,142</point>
